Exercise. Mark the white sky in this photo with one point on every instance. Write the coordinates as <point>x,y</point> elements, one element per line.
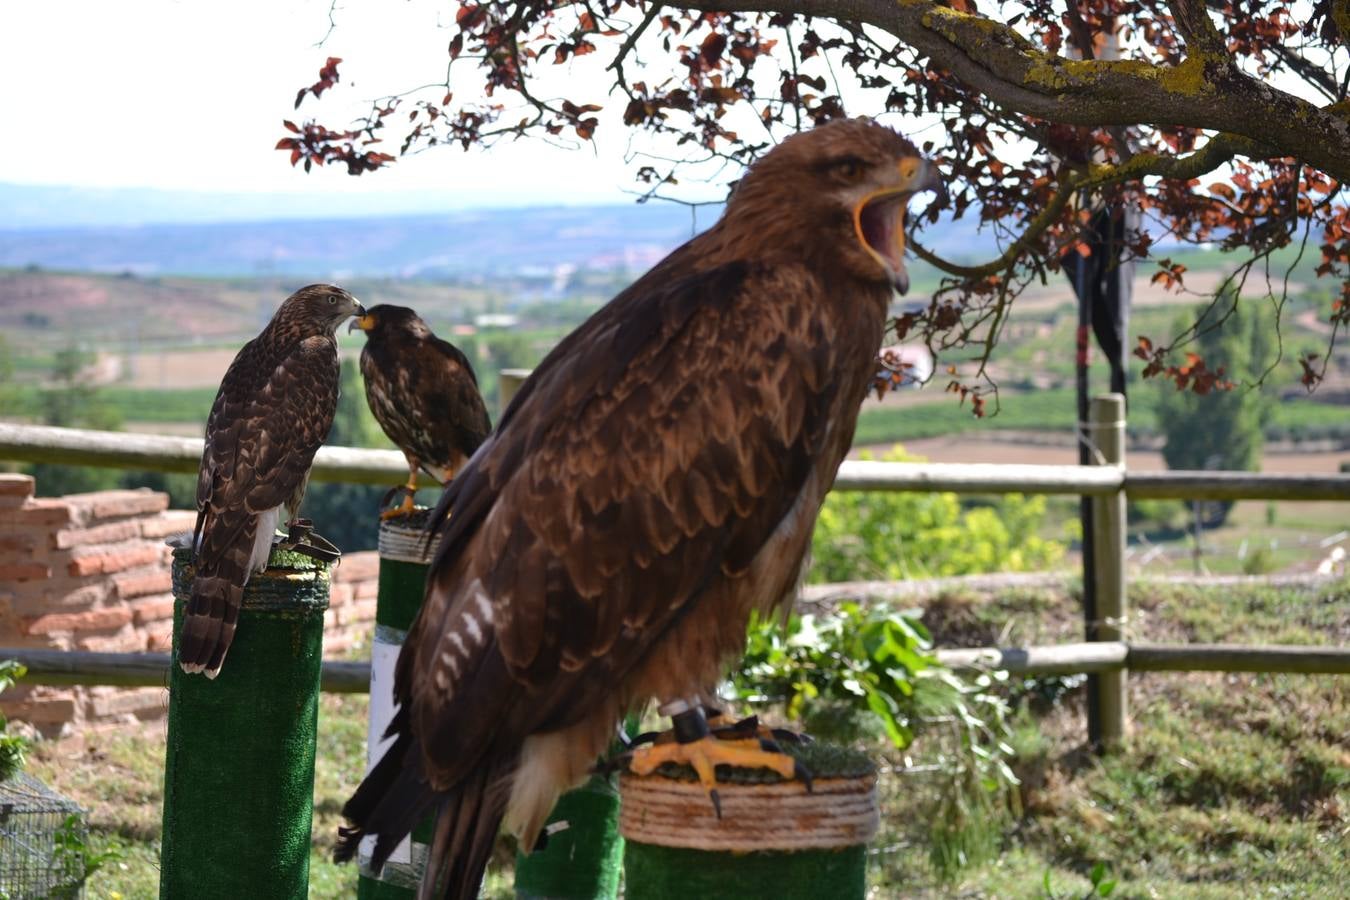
<point>185,95</point>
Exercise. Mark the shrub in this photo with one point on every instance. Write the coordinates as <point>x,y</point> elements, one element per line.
<point>894,535</point>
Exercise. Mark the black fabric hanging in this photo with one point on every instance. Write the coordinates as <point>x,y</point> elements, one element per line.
<point>1107,275</point>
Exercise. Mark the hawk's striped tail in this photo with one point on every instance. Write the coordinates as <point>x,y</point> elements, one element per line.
<point>209,623</point>
<point>212,613</point>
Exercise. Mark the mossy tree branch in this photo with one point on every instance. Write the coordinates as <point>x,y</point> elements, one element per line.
<point>1207,90</point>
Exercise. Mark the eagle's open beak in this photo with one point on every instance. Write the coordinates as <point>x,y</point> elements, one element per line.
<point>362,320</point>
<point>879,218</point>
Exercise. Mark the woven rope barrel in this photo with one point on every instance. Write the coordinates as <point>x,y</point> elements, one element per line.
<point>405,554</point>
<point>774,838</point>
<point>239,765</point>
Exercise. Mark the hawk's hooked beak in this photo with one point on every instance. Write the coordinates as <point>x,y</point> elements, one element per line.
<point>362,320</point>
<point>879,218</point>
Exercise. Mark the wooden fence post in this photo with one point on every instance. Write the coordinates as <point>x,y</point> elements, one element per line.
<point>1106,430</point>
<point>508,382</point>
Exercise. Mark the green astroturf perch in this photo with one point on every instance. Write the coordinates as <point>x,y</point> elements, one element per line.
<point>239,767</point>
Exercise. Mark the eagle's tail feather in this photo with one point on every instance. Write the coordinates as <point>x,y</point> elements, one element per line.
<point>388,803</point>
<point>394,797</point>
<point>466,830</point>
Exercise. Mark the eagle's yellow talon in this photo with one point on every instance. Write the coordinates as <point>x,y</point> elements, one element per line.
<point>705,754</point>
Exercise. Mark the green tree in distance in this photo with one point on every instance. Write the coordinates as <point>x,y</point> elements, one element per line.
<point>71,401</point>
<point>1221,427</point>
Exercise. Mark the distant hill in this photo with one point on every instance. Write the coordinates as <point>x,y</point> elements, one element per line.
<point>98,231</point>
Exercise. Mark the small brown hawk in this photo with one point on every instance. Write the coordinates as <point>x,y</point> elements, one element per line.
<point>273,410</point>
<point>655,481</point>
<point>424,394</point>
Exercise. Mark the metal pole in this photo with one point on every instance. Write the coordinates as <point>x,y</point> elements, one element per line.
<point>1108,516</point>
<point>239,766</point>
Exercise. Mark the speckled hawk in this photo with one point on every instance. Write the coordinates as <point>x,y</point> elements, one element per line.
<point>273,410</point>
<point>654,482</point>
<point>423,392</point>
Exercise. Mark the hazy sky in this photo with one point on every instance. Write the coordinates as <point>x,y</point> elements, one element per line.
<point>181,95</point>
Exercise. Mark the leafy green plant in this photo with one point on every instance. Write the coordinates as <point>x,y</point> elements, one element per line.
<point>13,748</point>
<point>870,671</point>
<point>858,661</point>
<point>74,860</point>
<point>1101,885</point>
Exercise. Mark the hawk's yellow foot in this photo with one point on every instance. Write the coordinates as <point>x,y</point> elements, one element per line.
<point>694,744</point>
<point>400,511</point>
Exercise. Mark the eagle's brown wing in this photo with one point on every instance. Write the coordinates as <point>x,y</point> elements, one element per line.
<point>646,462</point>
<point>273,410</point>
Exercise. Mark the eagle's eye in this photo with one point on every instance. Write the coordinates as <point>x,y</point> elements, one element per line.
<point>332,299</point>
<point>849,167</point>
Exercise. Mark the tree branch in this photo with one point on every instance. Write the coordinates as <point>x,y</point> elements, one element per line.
<point>1192,18</point>
<point>1205,91</point>
<point>1218,151</point>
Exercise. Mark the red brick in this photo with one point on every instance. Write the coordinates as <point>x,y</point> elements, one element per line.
<point>14,490</point>
<point>358,611</point>
<point>159,636</point>
<point>169,522</point>
<point>365,590</point>
<point>44,711</point>
<point>106,559</point>
<point>120,701</point>
<point>30,571</point>
<point>98,505</point>
<point>360,566</point>
<point>39,513</point>
<point>33,598</point>
<point>12,485</point>
<point>337,643</point>
<point>127,640</point>
<point>89,620</point>
<point>153,609</point>
<point>18,542</point>
<point>138,584</point>
<point>112,533</point>
<point>338,594</point>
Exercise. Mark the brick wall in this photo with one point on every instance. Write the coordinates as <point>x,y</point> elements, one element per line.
<point>92,572</point>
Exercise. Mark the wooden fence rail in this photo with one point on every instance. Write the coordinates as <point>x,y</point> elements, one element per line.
<point>77,667</point>
<point>160,453</point>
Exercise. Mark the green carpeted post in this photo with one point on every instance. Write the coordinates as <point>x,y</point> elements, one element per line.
<point>774,839</point>
<point>239,767</point>
<point>584,853</point>
<point>404,556</point>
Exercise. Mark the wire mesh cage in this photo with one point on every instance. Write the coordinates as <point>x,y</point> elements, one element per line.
<point>42,841</point>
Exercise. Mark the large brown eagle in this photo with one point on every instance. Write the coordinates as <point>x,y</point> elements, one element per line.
<point>423,393</point>
<point>273,410</point>
<point>655,481</point>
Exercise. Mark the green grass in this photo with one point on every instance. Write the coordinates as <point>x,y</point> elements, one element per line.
<point>1232,785</point>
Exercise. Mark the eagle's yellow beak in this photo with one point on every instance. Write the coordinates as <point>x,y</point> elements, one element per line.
<point>365,322</point>
<point>879,217</point>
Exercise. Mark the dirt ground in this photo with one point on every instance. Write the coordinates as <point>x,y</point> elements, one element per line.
<point>176,369</point>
